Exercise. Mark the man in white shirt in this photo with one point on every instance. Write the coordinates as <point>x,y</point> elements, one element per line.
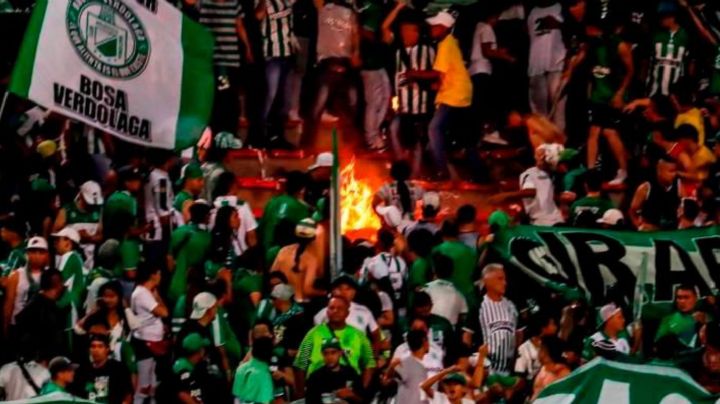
<point>448,302</point>
<point>546,60</point>
<point>19,384</point>
<point>498,320</point>
<point>432,360</point>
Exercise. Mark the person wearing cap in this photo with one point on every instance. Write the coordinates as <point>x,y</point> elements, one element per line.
<point>62,375</point>
<point>455,92</point>
<point>204,309</point>
<point>12,233</point>
<point>453,386</point>
<point>103,379</point>
<point>253,379</point>
<point>346,287</point>
<point>191,186</point>
<point>430,210</point>
<point>288,319</point>
<point>612,339</point>
<point>537,191</point>
<point>353,342</point>
<point>189,246</point>
<point>120,220</point>
<point>318,185</point>
<point>290,205</point>
<point>23,283</point>
<point>186,380</point>
<point>586,211</point>
<point>333,379</point>
<point>400,192</point>
<point>83,214</point>
<point>612,219</point>
<point>70,264</point>
<point>299,263</point>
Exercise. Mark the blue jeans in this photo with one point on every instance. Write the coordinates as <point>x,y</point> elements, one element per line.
<point>276,73</point>
<point>436,133</point>
<point>376,85</point>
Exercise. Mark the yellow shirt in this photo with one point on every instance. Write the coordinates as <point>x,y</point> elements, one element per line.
<point>694,118</point>
<point>455,86</point>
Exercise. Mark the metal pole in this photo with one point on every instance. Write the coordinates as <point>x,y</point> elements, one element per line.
<point>335,229</point>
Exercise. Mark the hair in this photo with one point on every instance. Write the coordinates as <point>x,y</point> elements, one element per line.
<point>116,287</point>
<point>262,349</point>
<point>295,181</point>
<point>690,208</point>
<point>429,211</point>
<point>224,184</point>
<point>422,299</point>
<point>263,321</point>
<point>688,287</point>
<point>490,268</point>
<point>385,239</point>
<point>400,172</point>
<point>686,131</point>
<point>416,339</point>
<point>218,288</point>
<point>593,180</point>
<point>199,212</point>
<point>443,266</point>
<point>450,228</point>
<point>421,241</point>
<point>222,233</point>
<point>50,279</point>
<point>537,322</point>
<point>279,275</point>
<point>145,272</point>
<point>466,214</point>
<point>554,347</point>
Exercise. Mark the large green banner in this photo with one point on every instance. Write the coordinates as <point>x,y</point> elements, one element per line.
<point>592,260</point>
<point>605,382</point>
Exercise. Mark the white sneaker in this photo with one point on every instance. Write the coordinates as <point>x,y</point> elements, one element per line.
<point>494,138</point>
<point>328,118</point>
<point>619,178</point>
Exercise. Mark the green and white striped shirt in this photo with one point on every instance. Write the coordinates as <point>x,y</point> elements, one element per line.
<point>220,17</point>
<point>277,29</point>
<point>670,56</point>
<point>413,98</point>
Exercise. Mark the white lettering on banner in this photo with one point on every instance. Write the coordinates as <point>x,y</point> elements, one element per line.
<point>613,392</point>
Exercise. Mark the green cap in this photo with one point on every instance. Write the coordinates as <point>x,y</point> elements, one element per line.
<point>194,343</point>
<point>191,170</point>
<point>567,155</point>
<point>41,185</point>
<point>455,378</point>
<point>332,343</point>
<point>499,218</point>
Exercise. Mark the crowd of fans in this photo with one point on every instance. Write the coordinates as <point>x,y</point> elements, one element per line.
<point>137,275</point>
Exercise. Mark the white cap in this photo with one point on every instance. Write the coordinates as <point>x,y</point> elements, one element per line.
<point>307,228</point>
<point>201,304</point>
<point>431,199</point>
<point>91,193</point>
<point>551,152</point>
<point>611,217</point>
<point>442,18</point>
<point>282,291</point>
<point>69,233</point>
<point>390,214</point>
<point>324,159</point>
<point>37,243</point>
<point>607,312</point>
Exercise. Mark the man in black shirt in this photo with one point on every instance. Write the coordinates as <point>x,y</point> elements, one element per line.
<point>104,380</point>
<point>333,380</point>
<point>41,323</point>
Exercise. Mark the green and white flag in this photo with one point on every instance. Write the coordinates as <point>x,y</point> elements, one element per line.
<point>53,398</point>
<point>592,260</point>
<point>605,382</point>
<point>138,69</point>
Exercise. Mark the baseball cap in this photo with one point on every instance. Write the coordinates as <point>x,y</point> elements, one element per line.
<point>431,199</point>
<point>60,364</point>
<point>129,173</point>
<point>611,217</point>
<point>41,185</point>
<point>282,291</point>
<point>332,343</point>
<point>606,312</point>
<point>193,342</point>
<point>390,214</point>
<point>551,152</point>
<point>201,304</point>
<point>455,378</point>
<point>442,18</point>
<point>344,279</point>
<point>69,233</point>
<point>499,218</point>
<point>37,243</point>
<point>306,228</point>
<point>190,170</point>
<point>91,193</point>
<point>324,159</point>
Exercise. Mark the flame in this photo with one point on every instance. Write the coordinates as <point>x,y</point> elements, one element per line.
<point>356,195</point>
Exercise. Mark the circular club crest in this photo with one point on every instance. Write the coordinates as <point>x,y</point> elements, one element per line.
<point>108,37</point>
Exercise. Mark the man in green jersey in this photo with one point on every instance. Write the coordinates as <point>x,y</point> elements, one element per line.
<point>189,245</point>
<point>357,351</point>
<point>683,322</point>
<point>670,51</point>
<point>192,183</point>
<point>289,205</point>
<point>62,374</point>
<point>464,261</point>
<point>586,211</point>
<point>83,215</point>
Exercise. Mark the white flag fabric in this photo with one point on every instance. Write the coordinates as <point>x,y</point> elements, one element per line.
<point>138,69</point>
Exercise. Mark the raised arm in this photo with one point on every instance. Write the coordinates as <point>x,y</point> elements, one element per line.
<point>387,34</point>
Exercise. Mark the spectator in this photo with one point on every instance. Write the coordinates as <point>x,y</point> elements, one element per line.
<point>387,268</point>
<point>12,233</point>
<point>334,380</point>
<point>289,206</point>
<point>447,301</point>
<point>83,215</point>
<point>410,371</point>
<point>186,381</point>
<point>299,263</point>
<point>684,321</point>
<point>671,45</point>
<point>400,193</point>
<point>528,362</point>
<point>420,243</point>
<point>120,220</point>
<point>62,375</point>
<point>17,383</point>
<point>553,364</point>
<point>24,282</point>
<point>498,319</point>
<point>189,246</point>
<point>612,219</point>
<point>586,211</point>
<point>655,203</point>
<point>191,185</point>
<point>440,330</point>
<point>253,379</point>
<point>464,260</point>
<point>104,380</point>
<point>612,341</point>
<point>225,194</point>
<point>430,210</point>
<point>433,355</point>
<point>466,217</point>
<point>453,385</point>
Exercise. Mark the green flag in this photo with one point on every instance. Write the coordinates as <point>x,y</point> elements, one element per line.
<point>54,398</point>
<point>139,70</point>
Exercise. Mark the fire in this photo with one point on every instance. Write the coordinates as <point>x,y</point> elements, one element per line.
<point>356,196</point>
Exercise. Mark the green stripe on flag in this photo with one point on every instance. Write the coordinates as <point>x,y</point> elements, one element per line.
<point>23,71</point>
<point>198,83</point>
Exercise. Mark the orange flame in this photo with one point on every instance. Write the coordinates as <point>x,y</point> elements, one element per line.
<point>356,212</point>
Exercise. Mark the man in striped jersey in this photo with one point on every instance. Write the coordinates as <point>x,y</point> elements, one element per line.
<point>413,75</point>
<point>159,198</point>
<point>498,320</point>
<point>670,51</point>
<point>706,18</point>
<point>224,18</point>
<point>275,18</point>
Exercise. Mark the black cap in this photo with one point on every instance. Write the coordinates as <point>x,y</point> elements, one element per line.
<point>128,173</point>
<point>60,364</point>
<point>344,279</point>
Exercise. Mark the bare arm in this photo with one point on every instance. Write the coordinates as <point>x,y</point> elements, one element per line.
<point>60,220</point>
<point>11,291</point>
<point>261,11</point>
<point>478,378</point>
<point>702,29</point>
<point>426,386</point>
<point>386,29</point>
<point>242,34</point>
<point>625,54</point>
<point>637,203</point>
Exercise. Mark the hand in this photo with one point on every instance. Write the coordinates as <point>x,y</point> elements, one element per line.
<point>394,363</point>
<point>83,234</point>
<point>682,3</point>
<point>400,4</point>
<point>568,196</point>
<point>630,107</point>
<point>700,317</point>
<point>355,60</point>
<point>277,375</point>
<point>617,101</point>
<point>344,393</point>
<point>249,56</point>
<point>483,351</point>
